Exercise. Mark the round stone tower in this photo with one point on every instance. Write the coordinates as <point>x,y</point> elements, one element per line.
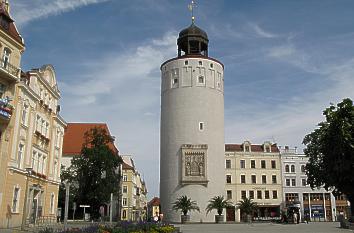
<point>192,126</point>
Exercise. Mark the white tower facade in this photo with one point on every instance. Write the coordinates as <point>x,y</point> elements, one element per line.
<point>192,126</point>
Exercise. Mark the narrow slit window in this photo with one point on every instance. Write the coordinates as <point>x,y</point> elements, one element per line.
<point>201,126</point>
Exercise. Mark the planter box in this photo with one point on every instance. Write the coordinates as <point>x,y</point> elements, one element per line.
<point>219,218</point>
<point>185,218</point>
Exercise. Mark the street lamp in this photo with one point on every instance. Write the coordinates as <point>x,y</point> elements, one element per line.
<point>24,214</point>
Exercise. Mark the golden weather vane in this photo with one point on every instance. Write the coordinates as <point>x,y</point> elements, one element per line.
<point>191,7</point>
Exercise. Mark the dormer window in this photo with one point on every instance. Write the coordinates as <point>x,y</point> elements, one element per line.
<point>247,148</point>
<point>200,63</point>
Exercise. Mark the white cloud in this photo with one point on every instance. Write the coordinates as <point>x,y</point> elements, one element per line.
<point>261,32</point>
<point>123,89</point>
<point>27,11</point>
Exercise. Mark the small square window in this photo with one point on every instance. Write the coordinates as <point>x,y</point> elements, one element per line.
<point>201,79</point>
<point>200,63</point>
<point>186,62</point>
<point>211,65</point>
<point>175,80</point>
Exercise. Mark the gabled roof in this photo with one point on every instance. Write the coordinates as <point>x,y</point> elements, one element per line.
<point>154,202</point>
<point>254,148</point>
<point>127,166</point>
<point>74,137</point>
<point>12,30</point>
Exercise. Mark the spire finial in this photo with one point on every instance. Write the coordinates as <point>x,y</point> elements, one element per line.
<point>191,7</point>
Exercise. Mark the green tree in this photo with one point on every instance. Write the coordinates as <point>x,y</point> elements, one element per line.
<point>330,149</point>
<point>185,204</point>
<point>95,173</point>
<point>247,207</point>
<point>218,203</point>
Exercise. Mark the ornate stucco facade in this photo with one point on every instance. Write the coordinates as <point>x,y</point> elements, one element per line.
<point>253,171</point>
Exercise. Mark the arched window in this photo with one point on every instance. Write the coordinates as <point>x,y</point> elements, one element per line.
<point>303,168</point>
<point>292,168</point>
<point>286,168</point>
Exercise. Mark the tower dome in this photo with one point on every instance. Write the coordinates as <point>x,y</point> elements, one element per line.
<point>193,41</point>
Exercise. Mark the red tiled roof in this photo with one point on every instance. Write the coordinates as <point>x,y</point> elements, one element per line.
<point>74,137</point>
<point>12,30</point>
<point>154,202</point>
<point>254,148</point>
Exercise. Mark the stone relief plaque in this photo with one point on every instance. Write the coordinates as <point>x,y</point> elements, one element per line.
<point>194,164</point>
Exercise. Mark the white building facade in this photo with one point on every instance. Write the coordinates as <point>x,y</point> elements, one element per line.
<point>192,126</point>
<point>318,204</point>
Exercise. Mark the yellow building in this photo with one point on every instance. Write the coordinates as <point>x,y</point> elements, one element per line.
<point>134,192</point>
<point>254,171</point>
<point>31,134</point>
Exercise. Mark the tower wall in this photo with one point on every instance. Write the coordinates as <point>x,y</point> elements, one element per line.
<point>186,102</point>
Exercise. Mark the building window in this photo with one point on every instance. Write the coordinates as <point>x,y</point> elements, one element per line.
<point>251,194</point>
<point>243,194</point>
<point>229,194</point>
<point>200,79</point>
<point>292,168</point>
<point>52,203</point>
<point>228,163</point>
<point>303,168</point>
<point>253,164</point>
<point>200,63</point>
<point>274,179</point>
<point>290,197</point>
<point>186,62</point>
<point>242,164</point>
<point>263,164</point>
<point>125,189</point>
<point>247,148</point>
<point>274,165</point>
<point>253,179</point>
<point>287,168</point>
<point>303,181</point>
<point>266,194</point>
<point>211,65</point>
<point>124,214</point>
<point>264,179</point>
<point>24,114</point>
<point>15,200</point>
<point>175,81</point>
<point>243,179</point>
<point>124,201</point>
<point>293,182</point>
<point>267,149</point>
<point>125,178</point>
<point>287,182</point>
<point>6,58</point>
<point>201,126</point>
<point>228,179</point>
<point>55,169</point>
<point>259,194</point>
<point>275,194</point>
<point>20,155</point>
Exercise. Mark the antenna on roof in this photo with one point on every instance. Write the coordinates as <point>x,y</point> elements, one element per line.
<point>191,8</point>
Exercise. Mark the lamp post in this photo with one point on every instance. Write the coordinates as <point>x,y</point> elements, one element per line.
<point>24,214</point>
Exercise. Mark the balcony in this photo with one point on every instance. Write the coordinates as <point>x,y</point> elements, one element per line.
<point>11,72</point>
<point>5,109</point>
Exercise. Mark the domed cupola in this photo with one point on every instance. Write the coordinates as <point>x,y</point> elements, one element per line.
<point>193,41</point>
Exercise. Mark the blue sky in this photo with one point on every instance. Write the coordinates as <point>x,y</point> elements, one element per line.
<point>285,61</point>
